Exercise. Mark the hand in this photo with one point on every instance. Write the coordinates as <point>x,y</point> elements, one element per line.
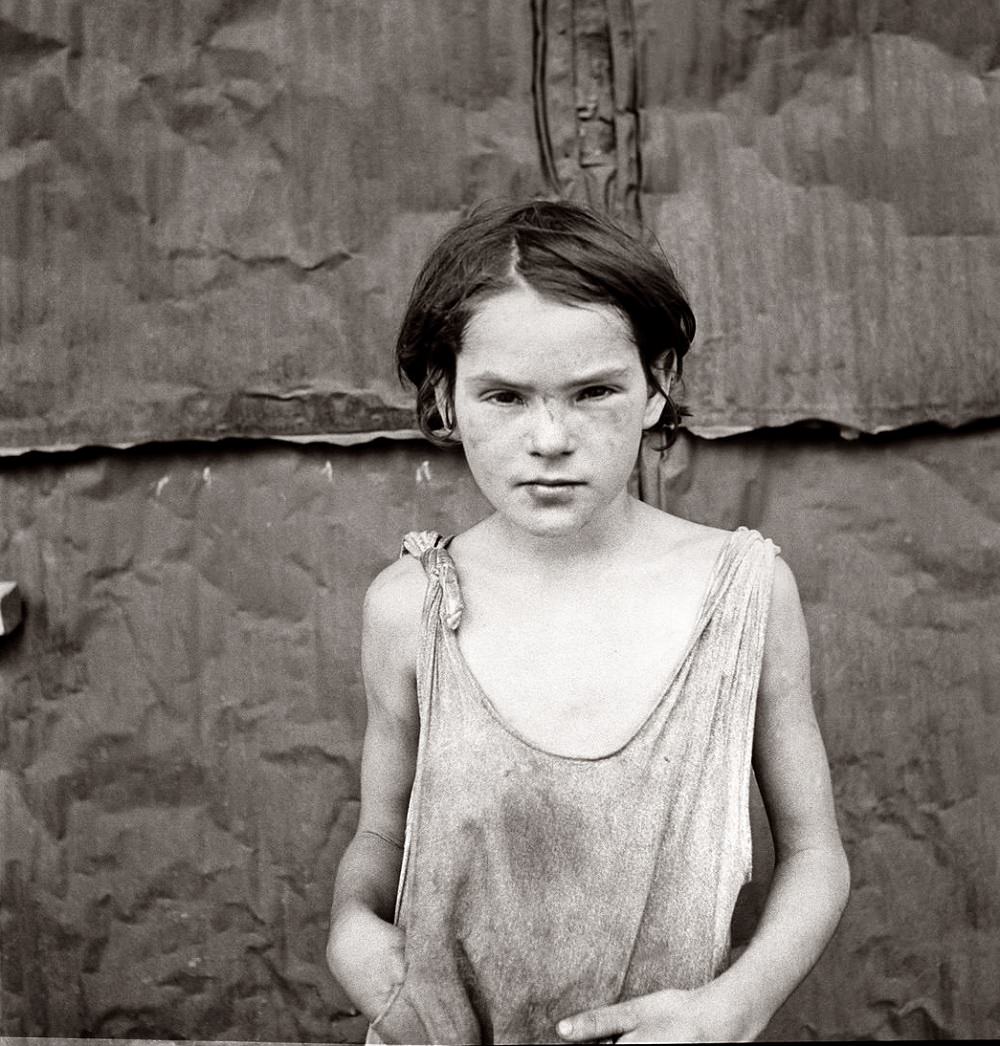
<point>697,1015</point>
<point>367,956</point>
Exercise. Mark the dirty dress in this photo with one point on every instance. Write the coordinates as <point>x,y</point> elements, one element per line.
<point>537,885</point>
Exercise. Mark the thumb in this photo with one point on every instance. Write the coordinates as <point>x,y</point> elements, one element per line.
<point>599,1023</point>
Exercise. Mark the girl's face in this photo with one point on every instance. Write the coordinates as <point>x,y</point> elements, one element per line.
<point>550,402</point>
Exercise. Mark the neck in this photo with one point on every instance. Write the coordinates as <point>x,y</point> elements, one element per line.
<point>600,542</point>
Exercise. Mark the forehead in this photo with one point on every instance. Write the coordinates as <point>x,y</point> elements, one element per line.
<point>524,336</point>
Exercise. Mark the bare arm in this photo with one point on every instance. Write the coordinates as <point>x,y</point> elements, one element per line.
<point>810,884</point>
<point>364,950</point>
<point>811,877</point>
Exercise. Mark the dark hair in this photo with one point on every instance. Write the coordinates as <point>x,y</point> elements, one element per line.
<point>563,251</point>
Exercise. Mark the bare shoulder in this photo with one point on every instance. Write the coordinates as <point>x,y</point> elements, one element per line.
<point>395,596</point>
<point>784,589</point>
<point>786,642</point>
<point>391,625</point>
<point>670,538</point>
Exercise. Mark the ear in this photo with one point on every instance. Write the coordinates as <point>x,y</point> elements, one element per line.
<point>446,408</point>
<point>663,369</point>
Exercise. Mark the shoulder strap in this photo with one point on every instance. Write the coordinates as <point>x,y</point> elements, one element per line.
<point>442,609</point>
<point>756,535</point>
<point>431,548</point>
<point>744,580</point>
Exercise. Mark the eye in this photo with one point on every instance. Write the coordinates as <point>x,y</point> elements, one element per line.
<point>502,397</point>
<point>597,392</point>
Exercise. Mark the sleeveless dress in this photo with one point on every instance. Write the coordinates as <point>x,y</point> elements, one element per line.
<point>536,885</point>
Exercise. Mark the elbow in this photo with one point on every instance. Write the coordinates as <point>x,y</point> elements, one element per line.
<point>842,878</point>
<point>837,875</point>
<point>827,867</point>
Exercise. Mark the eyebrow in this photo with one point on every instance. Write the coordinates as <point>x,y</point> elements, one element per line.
<point>605,374</point>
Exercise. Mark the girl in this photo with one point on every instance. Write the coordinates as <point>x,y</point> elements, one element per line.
<point>564,699</point>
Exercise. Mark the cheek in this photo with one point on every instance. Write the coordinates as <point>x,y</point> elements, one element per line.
<point>473,431</point>
<point>482,436</point>
<point>618,433</point>
<point>620,421</point>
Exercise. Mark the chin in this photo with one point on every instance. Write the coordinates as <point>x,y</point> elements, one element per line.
<point>549,524</point>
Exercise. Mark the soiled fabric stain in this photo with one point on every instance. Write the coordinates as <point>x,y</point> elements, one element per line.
<point>537,885</point>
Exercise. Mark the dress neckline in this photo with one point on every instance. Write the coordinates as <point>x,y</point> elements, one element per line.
<point>705,608</point>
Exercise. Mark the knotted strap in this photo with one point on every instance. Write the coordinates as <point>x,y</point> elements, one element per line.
<point>431,549</point>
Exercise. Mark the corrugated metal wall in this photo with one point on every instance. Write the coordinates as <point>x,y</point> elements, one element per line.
<point>209,215</point>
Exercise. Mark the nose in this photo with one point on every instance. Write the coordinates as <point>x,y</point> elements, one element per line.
<point>549,434</point>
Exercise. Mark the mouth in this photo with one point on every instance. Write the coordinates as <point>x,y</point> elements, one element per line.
<point>554,483</point>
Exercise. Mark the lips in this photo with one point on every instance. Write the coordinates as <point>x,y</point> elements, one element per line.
<point>551,483</point>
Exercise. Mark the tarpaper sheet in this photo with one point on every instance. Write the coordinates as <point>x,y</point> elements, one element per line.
<point>895,545</point>
<point>183,711</point>
<point>210,214</point>
<point>181,728</point>
<point>825,176</point>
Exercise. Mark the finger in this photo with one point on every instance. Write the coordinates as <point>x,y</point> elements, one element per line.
<point>599,1023</point>
<point>642,1035</point>
<point>662,1034</point>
